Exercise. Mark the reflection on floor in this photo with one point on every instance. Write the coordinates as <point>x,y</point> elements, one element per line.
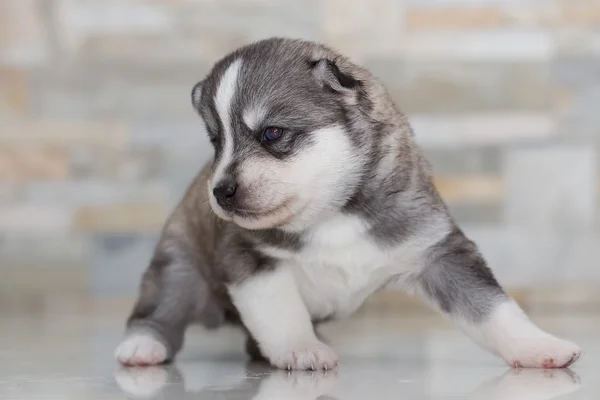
<point>61,355</point>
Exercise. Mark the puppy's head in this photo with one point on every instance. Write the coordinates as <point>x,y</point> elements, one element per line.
<point>288,122</point>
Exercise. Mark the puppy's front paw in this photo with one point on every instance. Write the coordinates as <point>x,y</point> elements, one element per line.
<point>312,355</point>
<point>141,349</point>
<point>545,352</point>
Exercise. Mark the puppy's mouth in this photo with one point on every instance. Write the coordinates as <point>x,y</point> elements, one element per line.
<point>272,217</point>
<point>255,214</point>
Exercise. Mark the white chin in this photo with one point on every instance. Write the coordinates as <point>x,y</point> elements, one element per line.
<point>219,212</point>
<point>256,223</point>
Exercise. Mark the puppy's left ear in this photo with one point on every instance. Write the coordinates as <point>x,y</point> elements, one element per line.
<point>197,95</point>
<point>330,76</point>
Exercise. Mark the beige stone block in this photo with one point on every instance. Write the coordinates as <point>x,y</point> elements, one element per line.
<point>36,282</point>
<point>580,13</point>
<point>360,28</point>
<point>22,32</point>
<point>470,188</point>
<point>23,163</point>
<point>13,91</point>
<point>121,218</point>
<point>454,18</point>
<point>49,132</point>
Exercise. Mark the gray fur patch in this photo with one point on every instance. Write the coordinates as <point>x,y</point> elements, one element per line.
<point>458,280</point>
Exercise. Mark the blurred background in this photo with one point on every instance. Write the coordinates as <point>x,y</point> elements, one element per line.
<point>98,139</point>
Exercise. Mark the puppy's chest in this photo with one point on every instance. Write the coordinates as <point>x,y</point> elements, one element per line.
<point>339,267</point>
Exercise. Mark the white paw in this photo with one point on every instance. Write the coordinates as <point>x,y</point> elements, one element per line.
<point>141,349</point>
<point>544,352</point>
<point>141,381</point>
<point>313,355</point>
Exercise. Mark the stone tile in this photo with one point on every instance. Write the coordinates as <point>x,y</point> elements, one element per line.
<point>10,192</point>
<point>578,78</point>
<point>580,13</point>
<point>424,18</point>
<point>144,217</point>
<point>519,257</point>
<point>95,192</point>
<point>458,87</point>
<point>551,187</point>
<point>118,262</point>
<point>180,170</point>
<point>13,91</point>
<point>52,249</point>
<point>35,218</point>
<point>480,214</point>
<point>453,132</point>
<point>202,32</point>
<point>577,41</point>
<point>23,163</point>
<point>581,254</point>
<point>173,135</point>
<point>159,49</point>
<point>488,45</point>
<point>496,14</point>
<point>186,149</point>
<point>361,29</point>
<point>77,21</point>
<point>465,161</point>
<point>470,188</point>
<point>115,92</point>
<point>252,20</point>
<point>52,132</point>
<point>22,33</point>
<point>133,164</point>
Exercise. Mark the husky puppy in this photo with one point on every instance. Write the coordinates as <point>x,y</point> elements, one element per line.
<point>317,197</point>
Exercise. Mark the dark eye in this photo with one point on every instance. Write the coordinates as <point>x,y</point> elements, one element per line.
<point>214,139</point>
<point>272,133</point>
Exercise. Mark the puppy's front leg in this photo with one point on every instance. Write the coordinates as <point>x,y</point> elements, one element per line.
<point>457,281</point>
<point>275,314</point>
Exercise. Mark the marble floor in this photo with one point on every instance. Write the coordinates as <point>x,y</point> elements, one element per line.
<point>69,355</point>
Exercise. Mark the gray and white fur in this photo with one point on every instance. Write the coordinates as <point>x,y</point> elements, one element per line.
<point>317,197</point>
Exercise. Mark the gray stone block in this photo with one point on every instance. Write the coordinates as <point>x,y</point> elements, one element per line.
<point>483,160</point>
<point>486,214</point>
<point>114,92</point>
<point>137,164</point>
<point>118,262</point>
<point>45,250</point>
<point>442,131</point>
<point>551,187</point>
<point>95,192</point>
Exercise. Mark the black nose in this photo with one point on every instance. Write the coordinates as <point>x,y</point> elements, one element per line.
<point>224,192</point>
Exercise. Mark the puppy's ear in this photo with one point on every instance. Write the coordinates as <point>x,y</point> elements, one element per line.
<point>197,95</point>
<point>330,76</point>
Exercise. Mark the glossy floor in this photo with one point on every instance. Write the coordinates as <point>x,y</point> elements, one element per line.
<point>60,355</point>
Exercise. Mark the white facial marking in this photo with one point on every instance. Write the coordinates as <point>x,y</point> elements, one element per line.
<point>319,178</point>
<point>253,116</point>
<point>223,99</point>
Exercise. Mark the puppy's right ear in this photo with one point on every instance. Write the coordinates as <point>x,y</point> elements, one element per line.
<point>197,95</point>
<point>329,75</point>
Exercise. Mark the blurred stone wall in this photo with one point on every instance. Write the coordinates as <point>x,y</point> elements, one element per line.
<point>98,139</point>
